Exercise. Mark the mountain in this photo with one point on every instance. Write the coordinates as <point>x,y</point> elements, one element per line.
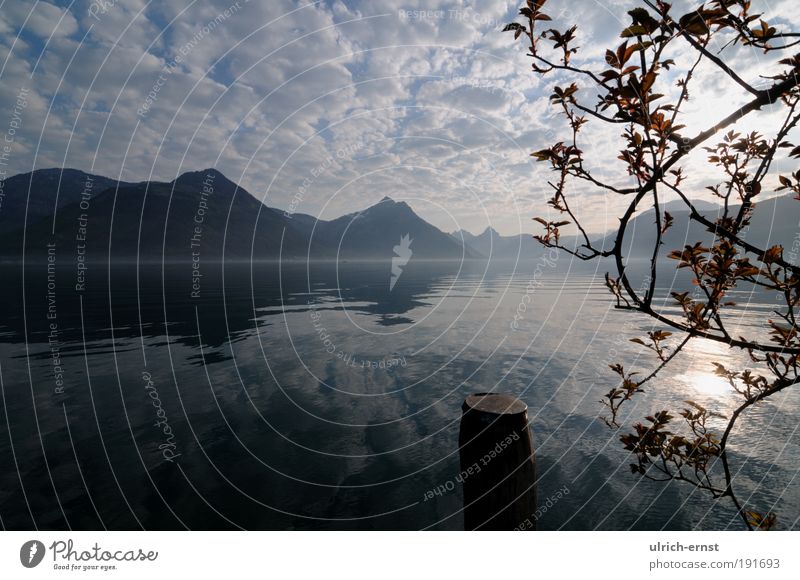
<point>199,216</point>
<point>776,221</point>
<point>677,205</point>
<point>374,232</point>
<point>202,216</point>
<point>38,194</point>
<point>492,245</point>
<point>521,247</point>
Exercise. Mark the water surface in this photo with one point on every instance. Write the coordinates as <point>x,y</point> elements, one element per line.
<point>313,397</point>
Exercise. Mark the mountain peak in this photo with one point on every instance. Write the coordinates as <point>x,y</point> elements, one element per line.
<point>209,177</point>
<point>209,173</point>
<point>387,203</point>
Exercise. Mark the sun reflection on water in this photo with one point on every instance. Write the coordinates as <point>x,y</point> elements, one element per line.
<point>699,378</point>
<point>707,384</point>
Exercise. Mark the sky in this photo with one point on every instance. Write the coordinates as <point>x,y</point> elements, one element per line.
<point>325,107</point>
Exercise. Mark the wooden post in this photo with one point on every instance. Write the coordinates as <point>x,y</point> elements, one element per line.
<point>498,467</point>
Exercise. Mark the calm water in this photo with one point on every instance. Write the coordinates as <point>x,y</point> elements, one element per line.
<point>314,397</point>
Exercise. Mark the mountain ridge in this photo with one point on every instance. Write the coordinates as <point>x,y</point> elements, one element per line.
<point>204,213</point>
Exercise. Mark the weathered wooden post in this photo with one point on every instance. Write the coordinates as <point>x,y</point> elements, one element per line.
<point>497,463</point>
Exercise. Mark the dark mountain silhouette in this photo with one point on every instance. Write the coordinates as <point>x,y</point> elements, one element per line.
<point>31,198</point>
<point>202,216</point>
<point>42,191</point>
<point>374,232</point>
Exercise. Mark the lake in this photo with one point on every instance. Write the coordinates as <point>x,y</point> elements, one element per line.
<point>313,396</point>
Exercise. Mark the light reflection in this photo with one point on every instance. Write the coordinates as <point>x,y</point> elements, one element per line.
<point>700,377</point>
<point>707,384</point>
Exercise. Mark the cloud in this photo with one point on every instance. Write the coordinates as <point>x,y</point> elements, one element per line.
<point>41,19</point>
<point>268,91</point>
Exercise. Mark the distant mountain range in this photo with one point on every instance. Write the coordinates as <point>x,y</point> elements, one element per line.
<point>202,215</point>
<point>492,245</point>
<point>775,221</point>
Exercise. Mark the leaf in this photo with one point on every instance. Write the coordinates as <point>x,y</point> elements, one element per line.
<point>542,155</point>
<point>635,30</point>
<point>696,406</point>
<point>668,221</point>
<point>516,27</point>
<point>647,81</point>
<point>694,24</point>
<point>611,59</point>
<point>760,521</point>
<point>772,255</point>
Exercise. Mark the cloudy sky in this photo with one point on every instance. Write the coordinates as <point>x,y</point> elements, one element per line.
<point>325,106</point>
